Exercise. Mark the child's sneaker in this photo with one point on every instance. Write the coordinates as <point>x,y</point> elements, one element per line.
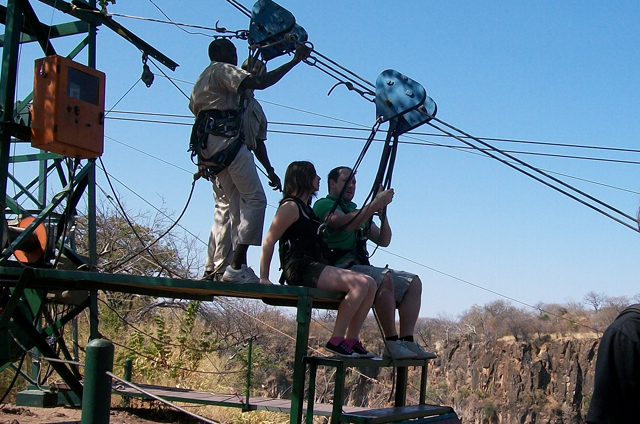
<point>341,349</point>
<point>361,351</point>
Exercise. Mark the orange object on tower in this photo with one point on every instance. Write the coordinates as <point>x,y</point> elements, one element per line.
<point>67,115</point>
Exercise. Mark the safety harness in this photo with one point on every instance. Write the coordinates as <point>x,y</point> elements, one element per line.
<point>299,247</point>
<point>220,123</point>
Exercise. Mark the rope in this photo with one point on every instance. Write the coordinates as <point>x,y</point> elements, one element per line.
<point>158,398</point>
<point>148,246</point>
<point>529,174</point>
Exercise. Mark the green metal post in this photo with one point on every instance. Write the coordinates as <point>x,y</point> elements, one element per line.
<point>248,372</point>
<point>311,392</point>
<point>13,28</point>
<point>96,396</point>
<point>91,199</point>
<point>338,393</point>
<point>423,383</point>
<point>128,370</point>
<point>402,378</point>
<point>303,317</point>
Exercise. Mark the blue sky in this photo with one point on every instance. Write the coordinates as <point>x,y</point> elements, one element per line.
<point>557,72</point>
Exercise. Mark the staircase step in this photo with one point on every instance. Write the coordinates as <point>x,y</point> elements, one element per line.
<point>337,361</point>
<point>398,413</point>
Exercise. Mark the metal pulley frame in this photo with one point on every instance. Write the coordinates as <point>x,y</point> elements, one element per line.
<point>404,103</point>
<point>273,30</point>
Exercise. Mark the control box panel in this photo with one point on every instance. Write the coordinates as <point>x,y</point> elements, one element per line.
<point>67,114</point>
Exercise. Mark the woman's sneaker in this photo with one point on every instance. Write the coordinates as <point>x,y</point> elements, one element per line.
<point>361,351</point>
<point>341,349</point>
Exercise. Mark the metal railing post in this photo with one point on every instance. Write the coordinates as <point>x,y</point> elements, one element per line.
<point>96,395</point>
<point>128,370</point>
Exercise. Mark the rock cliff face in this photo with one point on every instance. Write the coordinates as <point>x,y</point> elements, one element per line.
<point>510,382</point>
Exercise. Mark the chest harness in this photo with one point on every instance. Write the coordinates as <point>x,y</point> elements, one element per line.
<point>308,241</point>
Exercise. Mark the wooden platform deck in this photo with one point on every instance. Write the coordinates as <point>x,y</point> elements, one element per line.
<point>237,401</point>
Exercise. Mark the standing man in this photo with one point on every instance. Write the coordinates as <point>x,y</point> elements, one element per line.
<point>348,234</point>
<point>616,387</point>
<point>217,141</point>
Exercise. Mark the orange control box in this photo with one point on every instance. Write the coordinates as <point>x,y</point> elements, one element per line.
<point>67,115</point>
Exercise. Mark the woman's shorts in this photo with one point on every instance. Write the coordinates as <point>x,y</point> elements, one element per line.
<point>302,272</point>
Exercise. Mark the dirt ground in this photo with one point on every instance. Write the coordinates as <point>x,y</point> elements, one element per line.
<point>11,414</point>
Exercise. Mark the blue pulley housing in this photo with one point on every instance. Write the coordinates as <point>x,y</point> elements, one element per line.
<point>415,118</point>
<point>296,35</point>
<point>397,94</point>
<point>268,20</point>
<point>273,25</point>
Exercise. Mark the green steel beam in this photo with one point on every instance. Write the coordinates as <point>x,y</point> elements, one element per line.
<point>48,331</point>
<point>175,288</point>
<point>93,16</point>
<point>12,128</point>
<point>24,190</point>
<point>35,157</point>
<point>14,300</point>
<point>16,208</point>
<point>8,77</point>
<point>57,199</point>
<point>33,23</point>
<point>62,346</point>
<point>303,317</point>
<point>92,220</point>
<point>43,346</point>
<point>54,31</point>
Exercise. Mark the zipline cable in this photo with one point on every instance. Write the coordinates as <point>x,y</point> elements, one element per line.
<point>539,179</point>
<point>361,127</point>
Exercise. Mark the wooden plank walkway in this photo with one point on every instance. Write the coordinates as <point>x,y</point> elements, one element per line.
<point>172,394</point>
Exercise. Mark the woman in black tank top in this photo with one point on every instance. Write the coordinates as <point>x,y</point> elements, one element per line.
<point>295,226</point>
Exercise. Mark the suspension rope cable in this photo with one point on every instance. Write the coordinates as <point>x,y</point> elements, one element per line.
<point>169,78</point>
<point>123,96</point>
<point>150,155</point>
<point>410,135</point>
<point>539,179</point>
<point>169,22</point>
<point>146,247</point>
<point>277,330</point>
<point>243,9</point>
<point>158,398</point>
<point>147,202</point>
<point>489,290</point>
<point>167,365</point>
<point>464,149</point>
